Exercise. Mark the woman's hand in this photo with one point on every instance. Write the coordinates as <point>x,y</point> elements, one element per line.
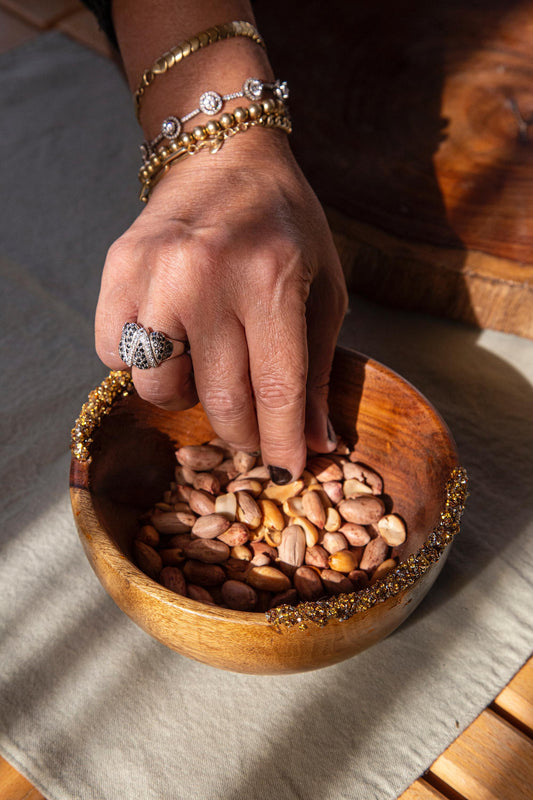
<point>234,255</point>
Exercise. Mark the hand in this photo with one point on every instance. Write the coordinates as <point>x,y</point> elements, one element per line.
<point>233,253</point>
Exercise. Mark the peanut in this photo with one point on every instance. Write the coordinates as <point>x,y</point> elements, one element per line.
<point>236,534</point>
<point>313,509</point>
<point>269,578</point>
<point>239,596</point>
<point>308,584</point>
<point>357,535</point>
<point>201,502</point>
<point>362,510</point>
<point>226,504</point>
<point>210,526</point>
<point>374,554</point>
<point>334,541</point>
<point>244,461</point>
<point>172,556</point>
<point>392,528</point>
<point>343,561</point>
<point>210,551</point>
<point>200,457</point>
<point>172,578</point>
<point>291,550</point>
<point>316,557</point>
<point>223,533</point>
<point>248,511</point>
<point>200,594</point>
<point>148,559</point>
<point>203,574</point>
<point>366,475</point>
<point>335,582</point>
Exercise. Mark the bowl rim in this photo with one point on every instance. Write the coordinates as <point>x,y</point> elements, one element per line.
<point>119,384</point>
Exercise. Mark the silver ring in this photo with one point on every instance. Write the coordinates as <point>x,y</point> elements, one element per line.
<point>141,348</point>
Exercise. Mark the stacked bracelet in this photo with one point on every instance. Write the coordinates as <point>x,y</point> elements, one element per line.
<point>268,114</point>
<point>217,33</point>
<point>211,103</point>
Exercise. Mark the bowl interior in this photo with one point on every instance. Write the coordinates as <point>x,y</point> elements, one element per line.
<point>395,430</point>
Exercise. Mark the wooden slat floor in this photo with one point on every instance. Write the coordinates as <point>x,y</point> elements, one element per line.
<point>493,758</point>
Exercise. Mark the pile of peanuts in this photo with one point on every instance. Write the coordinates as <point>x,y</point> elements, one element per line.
<point>225,535</point>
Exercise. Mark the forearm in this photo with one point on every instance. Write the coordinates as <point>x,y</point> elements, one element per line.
<point>147,30</point>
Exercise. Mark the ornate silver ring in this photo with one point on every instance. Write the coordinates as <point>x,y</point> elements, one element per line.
<point>144,349</point>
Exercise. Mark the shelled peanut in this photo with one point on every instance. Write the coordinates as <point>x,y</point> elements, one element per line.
<point>224,534</point>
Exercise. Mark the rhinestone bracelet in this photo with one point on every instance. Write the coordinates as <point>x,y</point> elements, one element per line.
<point>269,114</point>
<point>211,103</point>
<point>217,33</point>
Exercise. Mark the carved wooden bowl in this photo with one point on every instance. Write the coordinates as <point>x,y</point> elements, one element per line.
<point>397,432</point>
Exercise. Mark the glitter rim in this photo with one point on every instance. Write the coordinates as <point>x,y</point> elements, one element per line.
<point>117,384</point>
<point>344,606</point>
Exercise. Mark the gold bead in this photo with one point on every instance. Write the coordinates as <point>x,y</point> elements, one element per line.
<point>186,139</point>
<point>226,120</point>
<point>255,111</point>
<point>144,174</point>
<point>240,114</point>
<point>269,106</point>
<point>198,133</point>
<point>150,169</point>
<point>212,127</point>
<point>163,153</point>
<point>173,146</point>
<point>156,161</point>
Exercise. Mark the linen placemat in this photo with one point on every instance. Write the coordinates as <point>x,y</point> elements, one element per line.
<point>91,708</point>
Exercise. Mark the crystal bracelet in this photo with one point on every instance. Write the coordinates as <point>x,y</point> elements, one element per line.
<point>169,59</point>
<point>270,114</point>
<point>211,103</point>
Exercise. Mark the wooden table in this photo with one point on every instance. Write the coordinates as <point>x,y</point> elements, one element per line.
<point>491,760</point>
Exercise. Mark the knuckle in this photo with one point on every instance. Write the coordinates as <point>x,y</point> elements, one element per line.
<point>226,405</point>
<point>277,393</point>
<point>157,393</point>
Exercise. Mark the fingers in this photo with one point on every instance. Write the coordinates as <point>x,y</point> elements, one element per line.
<point>326,308</point>
<point>278,368</point>
<point>171,384</point>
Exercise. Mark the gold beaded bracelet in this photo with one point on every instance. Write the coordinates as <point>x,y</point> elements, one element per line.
<point>269,114</point>
<point>217,33</point>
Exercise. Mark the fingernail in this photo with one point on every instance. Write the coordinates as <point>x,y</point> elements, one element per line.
<point>280,475</point>
<point>255,453</point>
<point>331,433</point>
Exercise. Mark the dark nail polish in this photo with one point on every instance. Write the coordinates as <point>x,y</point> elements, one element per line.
<point>331,433</point>
<point>280,475</point>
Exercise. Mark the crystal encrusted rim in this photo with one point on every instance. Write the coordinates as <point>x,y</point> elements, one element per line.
<point>341,608</point>
<point>119,384</point>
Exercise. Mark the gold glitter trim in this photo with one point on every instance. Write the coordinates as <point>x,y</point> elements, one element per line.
<point>405,575</point>
<point>117,384</point>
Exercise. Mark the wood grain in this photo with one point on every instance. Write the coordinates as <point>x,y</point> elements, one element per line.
<point>421,790</point>
<point>133,459</point>
<point>491,760</point>
<point>422,135</point>
<point>515,702</point>
<point>13,786</point>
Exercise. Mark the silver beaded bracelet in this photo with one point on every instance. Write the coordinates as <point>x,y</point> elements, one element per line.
<point>211,103</point>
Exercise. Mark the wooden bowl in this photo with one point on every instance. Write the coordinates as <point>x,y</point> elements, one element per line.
<point>132,461</point>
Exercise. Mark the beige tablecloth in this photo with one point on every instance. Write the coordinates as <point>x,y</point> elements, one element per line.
<point>90,707</point>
